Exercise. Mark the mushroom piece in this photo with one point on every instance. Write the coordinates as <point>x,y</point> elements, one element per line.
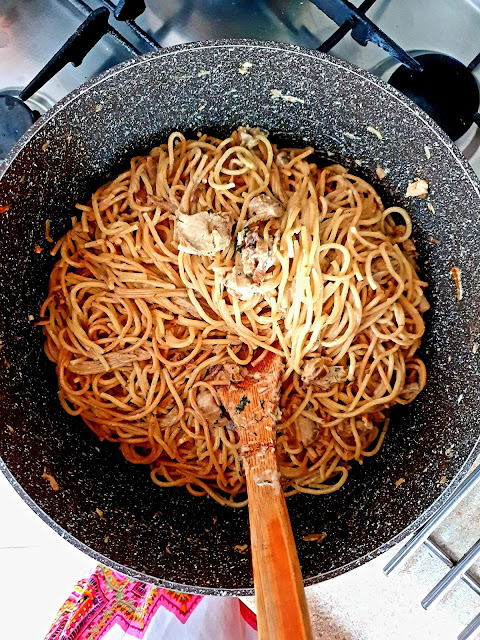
<point>239,286</point>
<point>264,207</point>
<point>208,405</point>
<point>204,233</point>
<point>282,158</point>
<point>317,372</point>
<point>423,305</point>
<point>248,137</point>
<point>256,256</point>
<point>168,420</point>
<point>226,373</point>
<point>307,430</point>
<point>234,371</point>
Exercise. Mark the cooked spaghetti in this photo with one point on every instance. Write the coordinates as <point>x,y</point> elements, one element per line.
<point>197,260</point>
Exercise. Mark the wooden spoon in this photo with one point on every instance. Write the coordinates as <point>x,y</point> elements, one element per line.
<point>282,611</point>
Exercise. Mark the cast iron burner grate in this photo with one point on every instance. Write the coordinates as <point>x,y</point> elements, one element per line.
<point>445,89</point>
<point>440,85</point>
<point>15,115</point>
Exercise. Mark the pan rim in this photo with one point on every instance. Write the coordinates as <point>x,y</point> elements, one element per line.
<point>322,59</point>
<point>256,44</point>
<point>220,591</point>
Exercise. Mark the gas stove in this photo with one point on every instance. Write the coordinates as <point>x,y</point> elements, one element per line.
<point>429,50</point>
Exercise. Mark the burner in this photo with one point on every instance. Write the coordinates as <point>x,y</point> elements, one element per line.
<point>15,118</point>
<point>446,89</point>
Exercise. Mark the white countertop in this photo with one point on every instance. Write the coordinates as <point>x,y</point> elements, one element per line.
<point>39,569</point>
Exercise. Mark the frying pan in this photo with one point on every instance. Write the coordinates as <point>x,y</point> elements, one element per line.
<point>166,536</point>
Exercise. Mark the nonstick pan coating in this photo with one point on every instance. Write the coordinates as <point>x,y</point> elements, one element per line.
<point>167,536</point>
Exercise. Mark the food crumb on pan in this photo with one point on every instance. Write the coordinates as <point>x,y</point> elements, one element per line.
<point>443,480</point>
<point>434,240</point>
<point>381,173</point>
<point>358,163</point>
<point>98,108</point>
<point>430,207</point>
<point>38,249</point>
<point>45,145</point>
<point>276,94</point>
<point>99,513</point>
<point>168,551</point>
<point>399,482</point>
<point>427,152</point>
<point>203,73</point>
<point>106,539</point>
<point>315,537</point>
<point>347,134</point>
<point>419,187</point>
<point>48,237</point>
<point>11,429</point>
<point>241,548</point>
<point>4,208</point>
<point>457,277</point>
<point>244,68</point>
<point>50,478</point>
<point>475,347</point>
<point>31,318</point>
<point>375,132</point>
<point>449,452</point>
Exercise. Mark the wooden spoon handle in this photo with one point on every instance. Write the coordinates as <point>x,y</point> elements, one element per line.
<point>282,612</point>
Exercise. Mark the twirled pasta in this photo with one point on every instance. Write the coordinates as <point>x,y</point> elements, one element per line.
<point>197,259</point>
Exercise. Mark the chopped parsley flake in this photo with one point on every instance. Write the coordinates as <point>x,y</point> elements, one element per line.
<point>242,404</point>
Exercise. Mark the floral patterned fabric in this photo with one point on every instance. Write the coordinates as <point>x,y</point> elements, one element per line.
<point>110,606</point>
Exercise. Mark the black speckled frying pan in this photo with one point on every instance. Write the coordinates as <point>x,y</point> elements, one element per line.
<point>303,98</point>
